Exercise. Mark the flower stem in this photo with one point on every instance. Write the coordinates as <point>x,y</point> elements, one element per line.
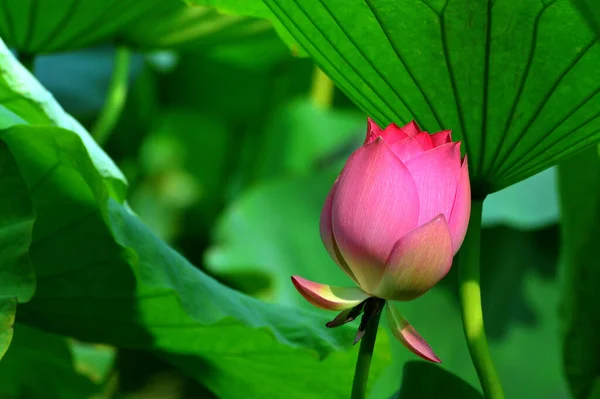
<point>115,98</point>
<point>322,89</point>
<point>470,299</point>
<point>365,354</point>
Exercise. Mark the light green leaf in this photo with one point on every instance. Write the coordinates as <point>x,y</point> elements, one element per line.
<point>27,100</point>
<point>40,365</point>
<point>579,183</point>
<point>104,277</point>
<point>8,308</point>
<point>517,81</point>
<point>17,279</point>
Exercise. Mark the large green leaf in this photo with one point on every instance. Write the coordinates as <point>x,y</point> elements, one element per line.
<point>579,182</point>
<point>45,26</point>
<point>23,99</point>
<point>103,276</point>
<point>40,365</point>
<point>517,81</point>
<point>17,279</point>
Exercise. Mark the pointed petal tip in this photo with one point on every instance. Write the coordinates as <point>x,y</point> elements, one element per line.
<point>328,297</point>
<point>373,130</point>
<point>411,128</point>
<point>408,336</point>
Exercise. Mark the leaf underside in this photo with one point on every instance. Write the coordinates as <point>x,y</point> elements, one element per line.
<point>516,80</point>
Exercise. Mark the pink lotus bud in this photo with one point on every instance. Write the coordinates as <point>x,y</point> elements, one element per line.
<point>394,219</point>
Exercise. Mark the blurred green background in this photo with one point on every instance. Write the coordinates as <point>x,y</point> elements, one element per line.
<point>229,149</point>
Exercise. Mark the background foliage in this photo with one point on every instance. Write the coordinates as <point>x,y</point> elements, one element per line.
<point>158,264</point>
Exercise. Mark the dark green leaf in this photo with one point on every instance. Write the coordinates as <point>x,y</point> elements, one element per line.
<point>579,182</point>
<point>517,81</point>
<point>428,381</point>
<point>43,26</point>
<point>590,10</point>
<point>41,365</point>
<point>16,224</point>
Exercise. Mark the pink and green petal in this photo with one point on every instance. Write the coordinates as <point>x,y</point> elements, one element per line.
<point>376,202</point>
<point>418,261</point>
<point>408,336</point>
<point>461,210</point>
<point>436,173</point>
<point>329,297</point>
<point>440,138</point>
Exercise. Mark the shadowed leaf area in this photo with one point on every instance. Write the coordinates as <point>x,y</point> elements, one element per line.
<point>429,381</point>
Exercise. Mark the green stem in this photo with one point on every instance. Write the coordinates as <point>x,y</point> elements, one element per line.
<point>27,60</point>
<point>470,299</point>
<point>115,98</point>
<point>365,354</point>
<point>322,89</point>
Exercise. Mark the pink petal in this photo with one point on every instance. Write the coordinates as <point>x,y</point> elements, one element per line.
<point>373,131</point>
<point>443,137</point>
<point>461,210</point>
<point>436,174</point>
<point>424,139</point>
<point>392,133</point>
<point>408,336</point>
<point>418,261</point>
<point>327,234</point>
<point>327,297</point>
<point>411,128</point>
<point>406,149</point>
<point>376,203</point>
